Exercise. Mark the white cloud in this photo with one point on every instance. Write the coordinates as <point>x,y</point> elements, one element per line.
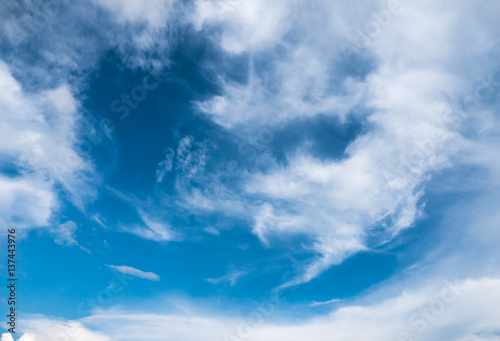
<point>154,229</point>
<point>429,313</point>
<point>466,310</point>
<point>317,304</point>
<point>248,25</point>
<point>212,230</point>
<point>152,12</point>
<point>41,328</point>
<point>199,190</point>
<point>38,137</point>
<point>142,31</point>
<point>26,202</point>
<point>232,277</point>
<point>65,233</point>
<point>27,337</point>
<point>159,326</point>
<point>305,78</point>
<point>152,225</point>
<point>7,337</point>
<point>135,272</point>
<point>165,166</point>
<point>418,77</point>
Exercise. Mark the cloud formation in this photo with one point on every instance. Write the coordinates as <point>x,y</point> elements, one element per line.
<point>421,79</point>
<point>39,144</point>
<point>418,107</point>
<point>41,328</point>
<point>232,276</point>
<point>135,272</point>
<point>466,310</point>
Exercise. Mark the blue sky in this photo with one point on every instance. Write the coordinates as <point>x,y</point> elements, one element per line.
<point>251,170</point>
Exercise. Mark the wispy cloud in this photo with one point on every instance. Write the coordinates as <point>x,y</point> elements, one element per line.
<point>135,272</point>
<point>212,230</point>
<point>231,277</point>
<point>317,304</point>
<point>151,226</point>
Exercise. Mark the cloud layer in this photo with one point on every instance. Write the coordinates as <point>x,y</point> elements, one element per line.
<point>466,310</point>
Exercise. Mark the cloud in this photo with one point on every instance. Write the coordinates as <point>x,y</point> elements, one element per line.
<point>232,276</point>
<point>198,189</point>
<point>152,226</point>
<point>165,166</point>
<point>212,230</point>
<point>44,128</point>
<point>39,141</point>
<point>248,25</point>
<point>317,304</point>
<point>41,328</point>
<point>27,337</point>
<point>24,337</point>
<point>143,33</point>
<point>65,233</point>
<point>155,229</point>
<point>26,202</point>
<point>7,337</point>
<point>303,75</point>
<point>153,13</point>
<point>429,313</point>
<point>466,310</point>
<point>135,272</point>
<point>409,80</point>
